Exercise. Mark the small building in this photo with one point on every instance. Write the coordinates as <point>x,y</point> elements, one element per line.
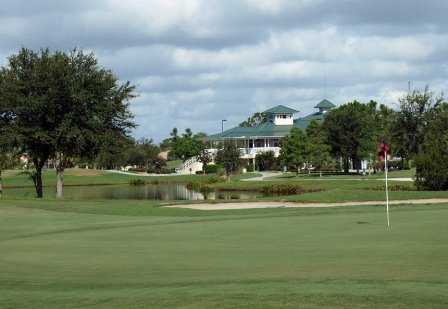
<point>266,136</point>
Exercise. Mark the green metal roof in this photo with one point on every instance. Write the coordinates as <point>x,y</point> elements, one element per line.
<point>303,123</point>
<point>280,109</point>
<point>269,129</point>
<point>325,104</point>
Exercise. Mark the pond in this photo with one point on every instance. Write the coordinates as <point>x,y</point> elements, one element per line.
<point>143,192</point>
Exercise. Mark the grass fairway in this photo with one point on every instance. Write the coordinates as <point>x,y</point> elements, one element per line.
<point>134,254</point>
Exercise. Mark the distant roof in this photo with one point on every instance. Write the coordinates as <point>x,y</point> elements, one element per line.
<point>269,129</point>
<point>266,129</point>
<point>325,104</point>
<point>303,123</point>
<point>280,109</point>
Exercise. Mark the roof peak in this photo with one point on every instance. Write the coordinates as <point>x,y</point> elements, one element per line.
<point>325,104</point>
<point>280,109</point>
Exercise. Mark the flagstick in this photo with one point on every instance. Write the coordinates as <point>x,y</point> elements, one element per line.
<point>387,191</point>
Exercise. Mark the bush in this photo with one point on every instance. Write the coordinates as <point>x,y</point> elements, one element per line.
<point>137,170</point>
<point>432,171</point>
<point>431,163</point>
<point>157,166</point>
<point>213,168</point>
<point>137,182</point>
<point>285,189</point>
<point>214,179</point>
<point>221,172</point>
<point>266,161</point>
<point>198,187</point>
<point>229,157</point>
<point>250,168</point>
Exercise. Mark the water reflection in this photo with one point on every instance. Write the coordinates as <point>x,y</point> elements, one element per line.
<point>144,192</point>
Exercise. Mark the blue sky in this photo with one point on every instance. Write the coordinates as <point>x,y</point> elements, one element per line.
<point>195,62</point>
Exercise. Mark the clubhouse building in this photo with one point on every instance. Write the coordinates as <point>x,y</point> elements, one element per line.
<point>266,136</point>
<point>263,137</point>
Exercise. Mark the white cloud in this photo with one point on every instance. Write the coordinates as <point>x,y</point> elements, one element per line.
<point>198,61</point>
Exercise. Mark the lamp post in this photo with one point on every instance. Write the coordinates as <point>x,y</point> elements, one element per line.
<point>222,125</point>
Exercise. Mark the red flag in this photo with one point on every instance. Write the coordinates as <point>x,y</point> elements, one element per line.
<point>383,149</point>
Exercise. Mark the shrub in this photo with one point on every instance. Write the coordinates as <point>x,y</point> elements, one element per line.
<point>266,161</point>
<point>199,187</point>
<point>229,157</point>
<point>137,182</point>
<point>250,168</point>
<point>214,179</point>
<point>157,166</point>
<point>137,170</point>
<point>221,172</point>
<point>205,190</point>
<point>213,168</point>
<point>431,163</point>
<point>285,189</point>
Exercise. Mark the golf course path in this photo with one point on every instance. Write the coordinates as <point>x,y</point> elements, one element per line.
<point>263,176</point>
<point>254,205</point>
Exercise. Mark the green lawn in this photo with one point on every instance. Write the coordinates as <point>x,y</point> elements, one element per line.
<point>173,163</point>
<point>77,177</point>
<point>338,190</point>
<point>392,174</point>
<point>129,254</point>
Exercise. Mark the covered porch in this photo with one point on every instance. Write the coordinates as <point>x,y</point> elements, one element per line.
<point>251,146</point>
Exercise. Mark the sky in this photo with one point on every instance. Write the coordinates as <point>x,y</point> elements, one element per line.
<point>196,62</point>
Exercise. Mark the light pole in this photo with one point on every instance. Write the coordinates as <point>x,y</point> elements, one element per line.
<point>222,125</point>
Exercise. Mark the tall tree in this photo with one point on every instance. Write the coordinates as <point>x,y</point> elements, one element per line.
<point>229,157</point>
<point>407,132</point>
<point>205,157</point>
<point>113,151</point>
<point>187,146</point>
<point>385,118</point>
<point>352,131</point>
<point>293,151</point>
<point>266,161</point>
<point>318,149</point>
<point>6,137</point>
<point>254,120</point>
<point>3,164</point>
<point>150,151</point>
<point>63,106</point>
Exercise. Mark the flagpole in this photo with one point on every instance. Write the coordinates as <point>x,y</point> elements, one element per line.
<point>387,191</point>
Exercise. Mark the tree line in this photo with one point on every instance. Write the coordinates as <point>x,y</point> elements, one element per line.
<point>66,109</point>
<point>417,132</point>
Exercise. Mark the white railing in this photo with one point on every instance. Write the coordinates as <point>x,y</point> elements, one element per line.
<point>257,150</point>
<point>248,152</point>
